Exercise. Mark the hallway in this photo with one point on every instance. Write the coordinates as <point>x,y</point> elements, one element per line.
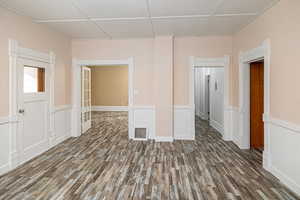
<point>104,164</point>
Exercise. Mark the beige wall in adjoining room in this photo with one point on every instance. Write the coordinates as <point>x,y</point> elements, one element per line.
<point>281,24</point>
<point>38,37</point>
<point>204,47</point>
<point>109,85</point>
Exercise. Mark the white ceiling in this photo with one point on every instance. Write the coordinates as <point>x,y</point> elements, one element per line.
<point>141,18</point>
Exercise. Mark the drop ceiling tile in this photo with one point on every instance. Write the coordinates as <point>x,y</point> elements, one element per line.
<point>78,29</point>
<point>113,8</point>
<point>243,6</point>
<point>127,29</point>
<point>182,7</point>
<point>44,9</point>
<point>181,27</point>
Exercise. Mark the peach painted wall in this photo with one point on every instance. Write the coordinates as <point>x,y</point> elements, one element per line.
<point>163,84</point>
<point>282,25</point>
<point>140,49</point>
<point>184,47</point>
<point>38,37</point>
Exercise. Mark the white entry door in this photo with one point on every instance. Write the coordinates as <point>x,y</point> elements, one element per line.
<point>86,99</point>
<point>33,108</point>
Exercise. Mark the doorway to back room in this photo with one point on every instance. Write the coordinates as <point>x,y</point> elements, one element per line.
<point>209,98</point>
<point>104,98</point>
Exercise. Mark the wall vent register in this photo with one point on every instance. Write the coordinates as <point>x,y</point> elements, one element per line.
<point>140,134</point>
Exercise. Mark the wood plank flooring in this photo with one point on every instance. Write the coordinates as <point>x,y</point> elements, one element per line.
<point>104,164</point>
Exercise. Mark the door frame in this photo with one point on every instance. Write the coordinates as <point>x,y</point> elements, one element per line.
<point>211,62</point>
<point>262,52</point>
<point>76,92</point>
<point>83,108</point>
<point>15,51</point>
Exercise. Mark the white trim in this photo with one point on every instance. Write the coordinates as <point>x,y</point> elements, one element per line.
<point>4,169</point>
<point>216,126</point>
<point>62,108</point>
<point>182,107</point>
<point>110,108</point>
<point>16,52</point>
<point>182,123</point>
<point>76,122</point>
<point>291,184</point>
<point>143,107</point>
<point>144,117</point>
<point>211,62</point>
<point>287,129</point>
<point>262,52</point>
<point>284,124</point>
<point>4,120</point>
<point>164,139</point>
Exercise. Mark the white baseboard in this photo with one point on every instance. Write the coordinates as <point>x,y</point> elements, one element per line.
<point>164,139</point>
<point>4,168</point>
<point>110,108</point>
<point>287,181</point>
<point>216,125</point>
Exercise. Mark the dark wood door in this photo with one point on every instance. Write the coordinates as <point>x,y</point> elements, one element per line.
<point>256,105</point>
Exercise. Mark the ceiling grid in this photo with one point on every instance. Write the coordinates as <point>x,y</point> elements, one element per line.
<point>136,18</point>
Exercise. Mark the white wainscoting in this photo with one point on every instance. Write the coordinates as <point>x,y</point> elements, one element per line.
<point>216,125</point>
<point>284,148</point>
<point>110,108</point>
<point>182,123</point>
<point>62,123</point>
<point>282,156</point>
<point>9,154</point>
<point>4,144</point>
<point>231,119</point>
<point>144,117</point>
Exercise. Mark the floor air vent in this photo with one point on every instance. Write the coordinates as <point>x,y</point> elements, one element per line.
<point>140,134</point>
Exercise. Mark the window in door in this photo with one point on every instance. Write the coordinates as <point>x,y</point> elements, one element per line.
<point>34,79</point>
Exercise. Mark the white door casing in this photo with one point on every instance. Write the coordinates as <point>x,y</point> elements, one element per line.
<point>210,62</point>
<point>23,146</point>
<point>216,99</point>
<point>263,52</point>
<point>76,92</point>
<point>86,102</point>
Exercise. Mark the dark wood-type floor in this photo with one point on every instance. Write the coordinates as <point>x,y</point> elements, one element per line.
<point>104,164</point>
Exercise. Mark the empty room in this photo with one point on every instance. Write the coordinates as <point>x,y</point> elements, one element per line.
<point>149,99</point>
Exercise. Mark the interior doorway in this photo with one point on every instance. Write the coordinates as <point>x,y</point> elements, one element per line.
<point>209,96</point>
<point>257,105</point>
<point>104,95</point>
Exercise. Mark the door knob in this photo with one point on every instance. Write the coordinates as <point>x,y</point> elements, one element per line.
<point>21,111</point>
